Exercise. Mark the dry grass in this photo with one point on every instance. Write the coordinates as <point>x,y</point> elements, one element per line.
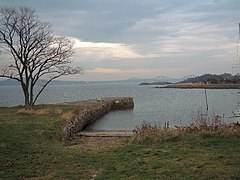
<point>153,133</point>
<point>68,116</point>
<point>147,133</point>
<point>39,111</point>
<point>32,111</point>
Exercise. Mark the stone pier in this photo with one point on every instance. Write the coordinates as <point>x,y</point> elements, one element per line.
<point>91,110</point>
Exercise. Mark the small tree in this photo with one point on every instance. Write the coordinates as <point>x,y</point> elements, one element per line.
<point>36,53</point>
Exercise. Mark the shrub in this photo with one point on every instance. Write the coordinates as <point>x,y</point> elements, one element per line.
<point>148,133</point>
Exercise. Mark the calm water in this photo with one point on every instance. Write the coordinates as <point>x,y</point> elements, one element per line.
<point>178,106</point>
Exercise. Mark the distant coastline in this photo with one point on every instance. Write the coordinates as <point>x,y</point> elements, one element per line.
<point>155,83</point>
<point>202,86</point>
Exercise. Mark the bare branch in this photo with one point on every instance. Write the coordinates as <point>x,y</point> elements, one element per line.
<point>9,72</point>
<point>36,53</point>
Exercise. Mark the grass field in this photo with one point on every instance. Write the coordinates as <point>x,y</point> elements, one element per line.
<point>31,147</point>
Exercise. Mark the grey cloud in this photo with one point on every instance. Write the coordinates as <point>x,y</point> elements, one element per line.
<point>177,33</point>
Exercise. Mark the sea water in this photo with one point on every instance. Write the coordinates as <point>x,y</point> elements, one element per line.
<point>153,105</point>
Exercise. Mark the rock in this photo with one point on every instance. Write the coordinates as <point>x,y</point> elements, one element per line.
<point>95,110</point>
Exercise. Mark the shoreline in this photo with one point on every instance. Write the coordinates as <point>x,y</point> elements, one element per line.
<point>202,86</point>
<point>103,134</point>
<point>92,111</point>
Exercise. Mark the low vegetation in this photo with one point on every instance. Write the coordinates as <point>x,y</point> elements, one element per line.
<point>31,147</point>
<point>225,78</point>
<point>148,133</point>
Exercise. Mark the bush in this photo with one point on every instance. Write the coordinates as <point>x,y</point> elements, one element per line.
<point>148,133</point>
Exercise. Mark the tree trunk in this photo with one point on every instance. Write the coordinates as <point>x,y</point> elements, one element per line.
<point>27,103</point>
<point>27,98</point>
<point>31,103</point>
<point>35,51</point>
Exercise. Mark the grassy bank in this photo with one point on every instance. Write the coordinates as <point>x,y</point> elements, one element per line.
<point>31,148</point>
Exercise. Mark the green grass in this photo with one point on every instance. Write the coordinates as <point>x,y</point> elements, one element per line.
<point>31,147</point>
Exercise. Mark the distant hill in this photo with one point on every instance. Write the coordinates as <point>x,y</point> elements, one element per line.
<point>214,79</point>
<point>10,82</point>
<point>133,80</point>
<point>152,80</point>
<point>155,83</point>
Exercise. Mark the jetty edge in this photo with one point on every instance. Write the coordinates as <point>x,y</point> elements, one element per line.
<point>91,110</point>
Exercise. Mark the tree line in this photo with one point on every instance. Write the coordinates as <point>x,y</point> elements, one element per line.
<point>225,78</point>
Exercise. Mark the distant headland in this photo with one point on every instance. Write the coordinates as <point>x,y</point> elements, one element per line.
<point>155,83</point>
<point>202,86</point>
<point>209,81</point>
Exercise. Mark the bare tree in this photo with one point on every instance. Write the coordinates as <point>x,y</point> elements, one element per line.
<point>35,52</point>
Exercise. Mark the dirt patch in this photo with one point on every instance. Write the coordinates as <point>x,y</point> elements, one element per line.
<point>106,133</point>
<point>100,143</point>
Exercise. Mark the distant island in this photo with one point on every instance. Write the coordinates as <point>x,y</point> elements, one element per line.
<point>155,83</point>
<point>210,81</point>
<point>225,78</point>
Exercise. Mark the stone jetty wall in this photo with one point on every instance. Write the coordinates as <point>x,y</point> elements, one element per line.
<point>90,111</point>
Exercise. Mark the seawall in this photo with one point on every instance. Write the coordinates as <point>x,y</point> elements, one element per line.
<point>89,111</point>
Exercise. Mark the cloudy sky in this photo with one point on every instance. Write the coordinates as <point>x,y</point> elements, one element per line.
<point>120,39</point>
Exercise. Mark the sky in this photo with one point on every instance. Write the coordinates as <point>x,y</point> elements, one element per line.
<point>121,39</point>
